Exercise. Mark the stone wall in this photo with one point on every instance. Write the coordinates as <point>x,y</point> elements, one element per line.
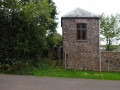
<point>110,60</point>
<point>83,55</point>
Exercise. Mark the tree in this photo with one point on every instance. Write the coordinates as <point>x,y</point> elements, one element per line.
<point>23,28</point>
<point>51,40</point>
<point>53,26</point>
<point>110,29</point>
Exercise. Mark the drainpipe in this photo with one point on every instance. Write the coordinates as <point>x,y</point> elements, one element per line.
<point>99,51</point>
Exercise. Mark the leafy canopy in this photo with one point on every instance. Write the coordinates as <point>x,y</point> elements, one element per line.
<point>23,28</point>
<point>110,29</point>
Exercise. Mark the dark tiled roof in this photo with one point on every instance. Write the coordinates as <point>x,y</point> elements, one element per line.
<point>79,13</point>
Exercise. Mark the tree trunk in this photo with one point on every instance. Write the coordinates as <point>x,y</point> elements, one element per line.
<point>108,45</point>
<point>107,48</point>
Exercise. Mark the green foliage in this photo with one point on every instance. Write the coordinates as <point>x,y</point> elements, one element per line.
<point>54,39</point>
<point>60,72</point>
<point>51,40</point>
<point>23,28</point>
<point>111,48</point>
<point>48,70</point>
<point>45,69</point>
<point>110,29</point>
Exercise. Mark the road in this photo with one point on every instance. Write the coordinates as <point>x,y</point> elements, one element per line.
<point>19,82</point>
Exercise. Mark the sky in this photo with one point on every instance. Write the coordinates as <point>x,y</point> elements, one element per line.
<point>94,6</point>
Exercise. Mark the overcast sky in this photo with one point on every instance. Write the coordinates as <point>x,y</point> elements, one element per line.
<point>95,6</point>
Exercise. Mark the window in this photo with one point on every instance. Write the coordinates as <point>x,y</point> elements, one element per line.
<point>81,31</point>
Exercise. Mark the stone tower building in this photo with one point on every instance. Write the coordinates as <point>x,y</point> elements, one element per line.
<point>80,31</point>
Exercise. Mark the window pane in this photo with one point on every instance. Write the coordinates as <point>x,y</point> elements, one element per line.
<point>81,31</point>
<point>83,34</point>
<point>78,35</point>
<point>83,26</point>
<point>78,25</point>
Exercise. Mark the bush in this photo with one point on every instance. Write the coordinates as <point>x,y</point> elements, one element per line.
<point>112,47</point>
<point>23,29</point>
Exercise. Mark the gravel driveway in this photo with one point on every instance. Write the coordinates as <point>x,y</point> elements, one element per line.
<point>18,82</point>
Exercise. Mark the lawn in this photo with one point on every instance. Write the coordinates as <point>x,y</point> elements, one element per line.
<point>59,72</point>
<point>56,71</point>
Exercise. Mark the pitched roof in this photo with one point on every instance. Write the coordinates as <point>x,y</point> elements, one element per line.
<point>79,13</point>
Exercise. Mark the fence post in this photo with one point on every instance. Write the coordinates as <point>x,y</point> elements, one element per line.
<point>108,65</point>
<point>65,59</point>
<point>59,55</point>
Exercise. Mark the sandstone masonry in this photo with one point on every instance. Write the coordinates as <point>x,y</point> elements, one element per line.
<point>110,61</point>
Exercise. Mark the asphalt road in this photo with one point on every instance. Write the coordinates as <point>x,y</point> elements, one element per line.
<point>18,82</point>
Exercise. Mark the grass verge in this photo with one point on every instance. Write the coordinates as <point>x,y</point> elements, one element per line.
<point>47,70</point>
<point>60,72</point>
<point>57,71</point>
